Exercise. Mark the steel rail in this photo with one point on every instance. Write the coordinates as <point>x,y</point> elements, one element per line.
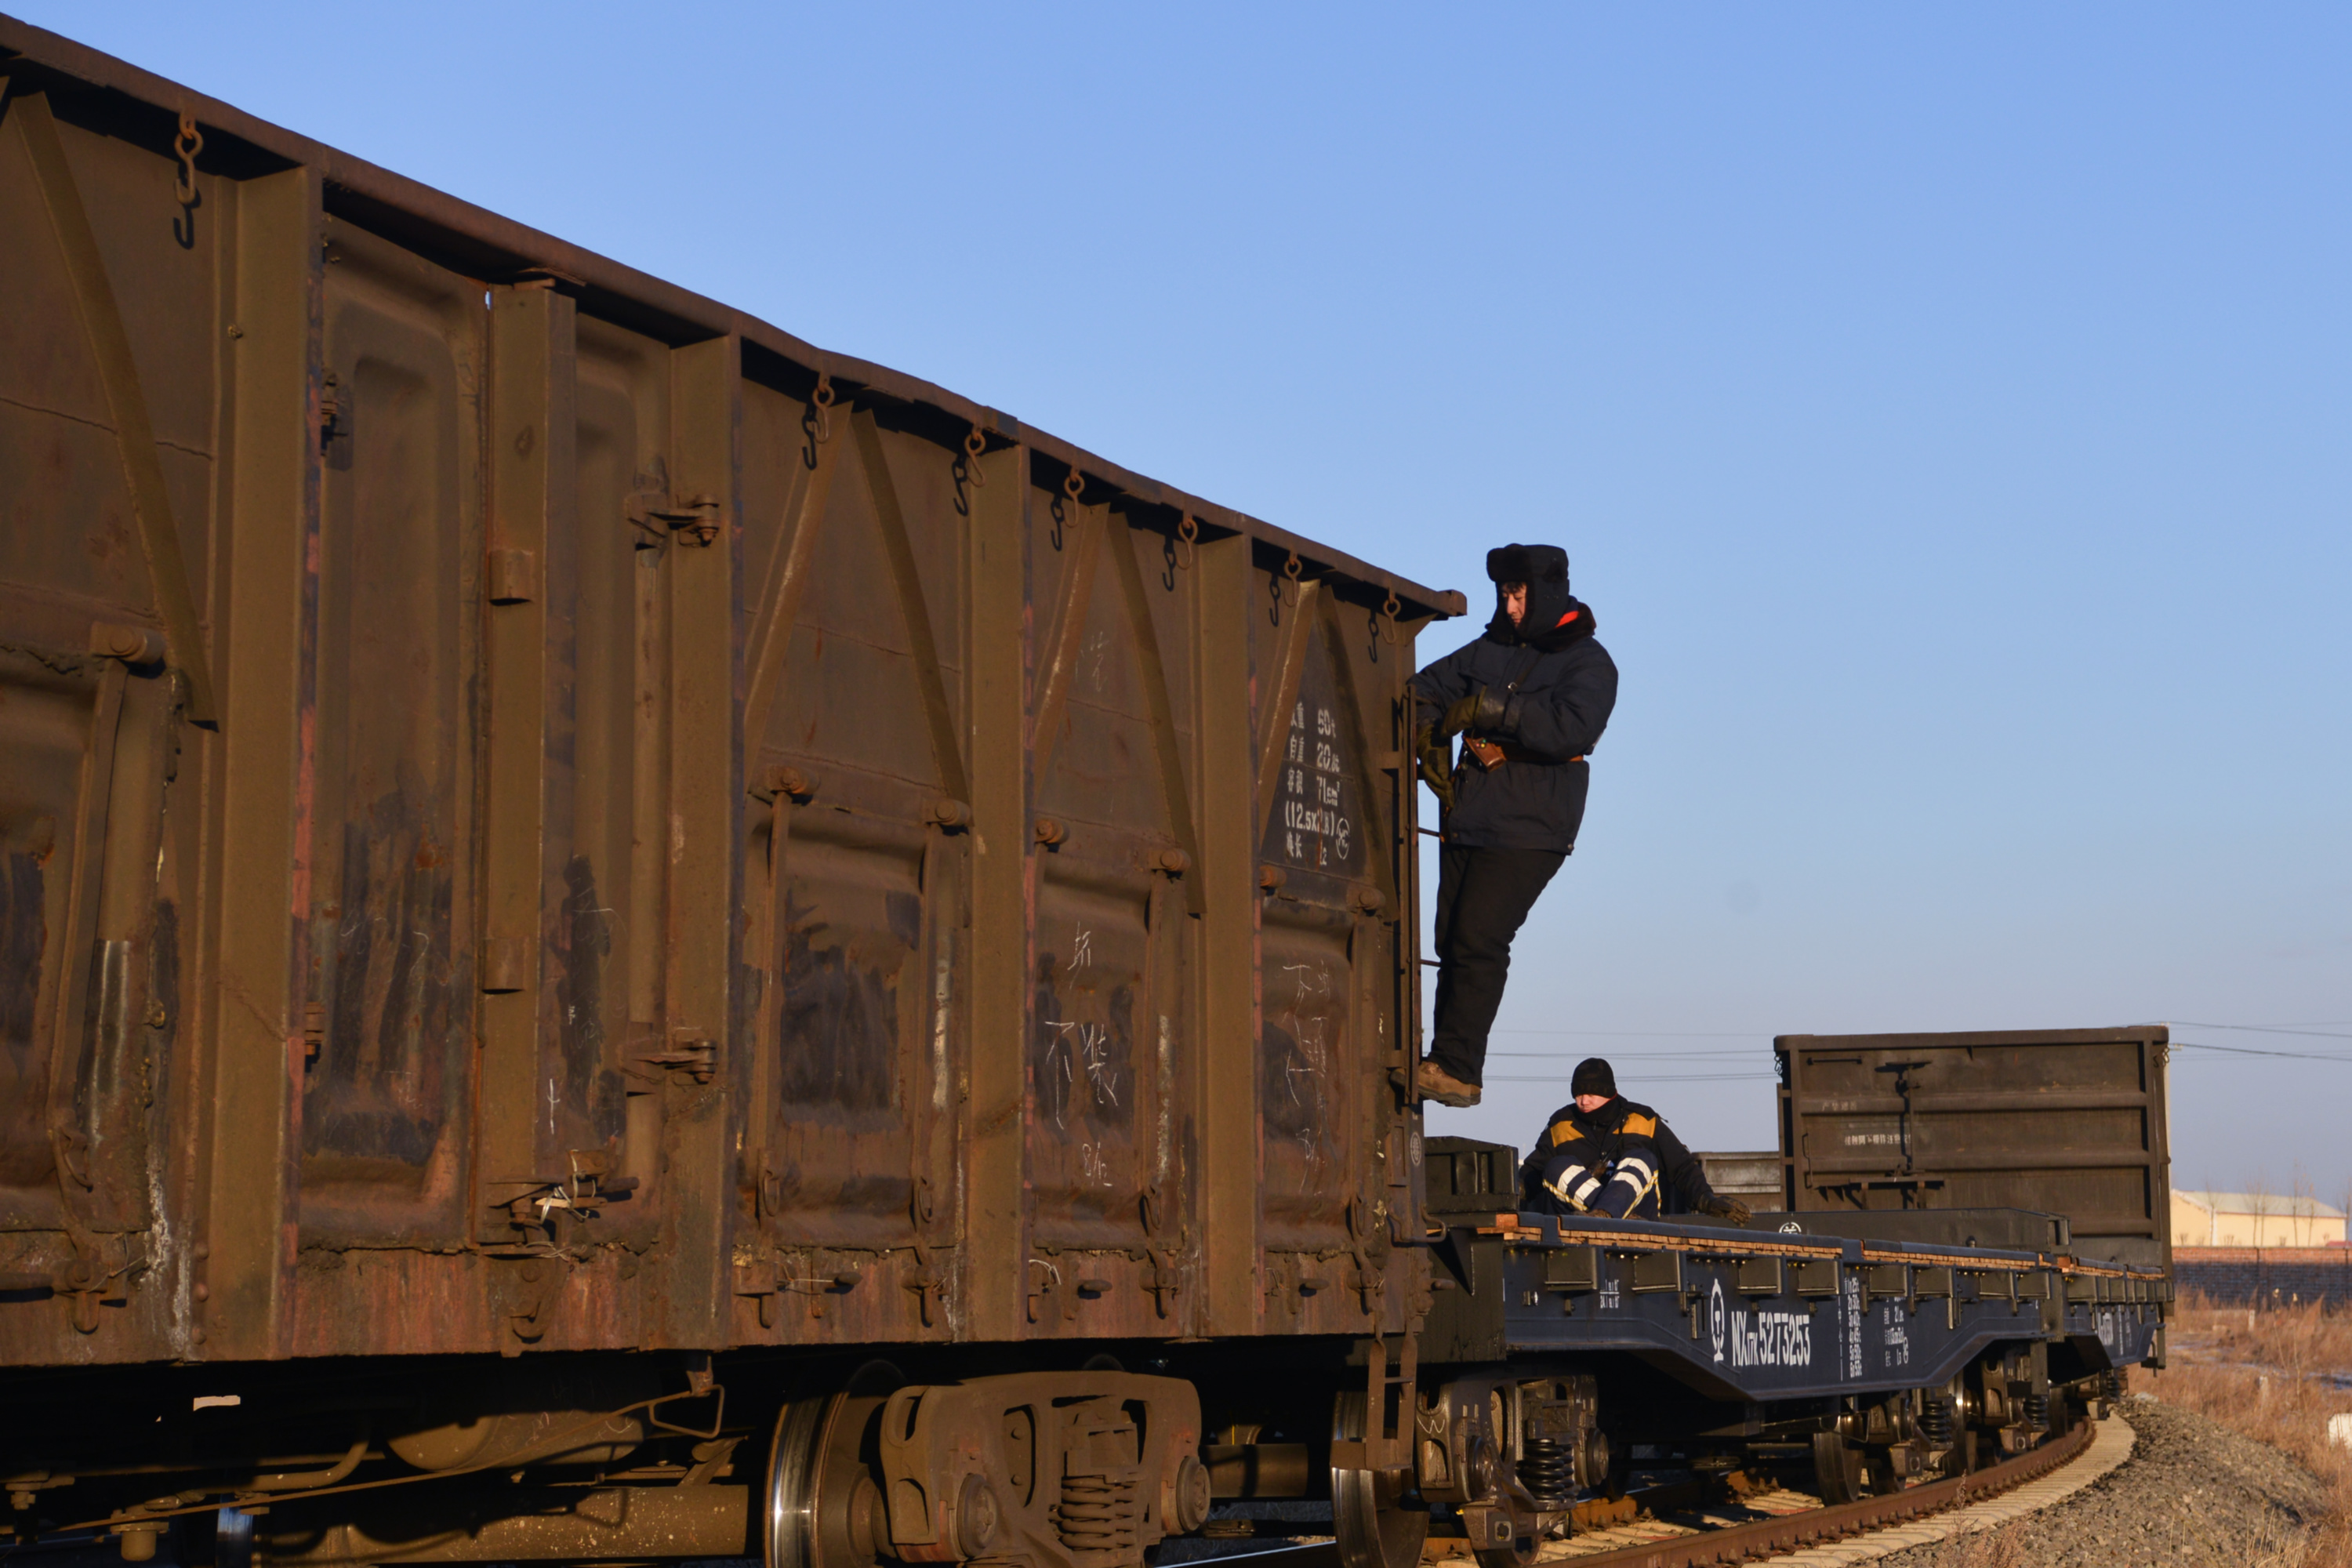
<point>1766,1537</point>
<point>1795,1532</point>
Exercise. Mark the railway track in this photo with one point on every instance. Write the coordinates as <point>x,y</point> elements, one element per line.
<point>1677,1532</point>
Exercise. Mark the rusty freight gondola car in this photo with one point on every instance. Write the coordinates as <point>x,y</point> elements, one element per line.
<point>552,825</point>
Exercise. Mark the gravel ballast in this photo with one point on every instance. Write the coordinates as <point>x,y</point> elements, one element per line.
<point>2192,1493</point>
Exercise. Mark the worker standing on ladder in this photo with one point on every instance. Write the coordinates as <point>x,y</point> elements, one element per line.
<point>1529,700</point>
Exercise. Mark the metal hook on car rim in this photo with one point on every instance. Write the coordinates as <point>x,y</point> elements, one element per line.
<point>821,406</point>
<point>185,146</point>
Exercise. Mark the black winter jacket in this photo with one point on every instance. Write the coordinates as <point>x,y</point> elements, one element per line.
<point>1535,800</point>
<point>1614,1161</point>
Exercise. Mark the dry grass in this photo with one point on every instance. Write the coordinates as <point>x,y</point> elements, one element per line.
<point>2267,1375</point>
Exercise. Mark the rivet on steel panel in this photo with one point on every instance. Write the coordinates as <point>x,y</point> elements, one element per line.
<point>1050,832</point>
<point>947,813</point>
<point>1270,877</point>
<point>131,644</point>
<point>788,782</point>
<point>1174,862</point>
<point>697,518</point>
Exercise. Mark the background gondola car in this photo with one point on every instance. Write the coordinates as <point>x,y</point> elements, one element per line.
<point>2065,1121</point>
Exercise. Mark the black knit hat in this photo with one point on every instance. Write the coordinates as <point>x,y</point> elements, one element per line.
<point>1592,1077</point>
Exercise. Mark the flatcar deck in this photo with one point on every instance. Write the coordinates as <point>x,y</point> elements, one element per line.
<point>1746,1316</point>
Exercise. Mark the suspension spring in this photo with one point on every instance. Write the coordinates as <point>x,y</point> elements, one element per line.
<point>1935,1422</point>
<point>1099,1513</point>
<point>1547,1469</point>
<point>2037,1411</point>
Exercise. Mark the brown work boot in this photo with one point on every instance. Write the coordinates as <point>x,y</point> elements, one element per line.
<point>1433,1082</point>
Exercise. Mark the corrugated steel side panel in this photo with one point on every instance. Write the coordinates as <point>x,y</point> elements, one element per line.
<point>2066,1121</point>
<point>544,813</point>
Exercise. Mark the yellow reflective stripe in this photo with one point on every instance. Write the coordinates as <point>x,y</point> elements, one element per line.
<point>1641,1126</point>
<point>1564,1131</point>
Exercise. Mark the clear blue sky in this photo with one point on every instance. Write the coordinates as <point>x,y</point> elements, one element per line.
<point>1945,410</point>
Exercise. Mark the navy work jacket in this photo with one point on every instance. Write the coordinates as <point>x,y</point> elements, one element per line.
<point>1534,800</point>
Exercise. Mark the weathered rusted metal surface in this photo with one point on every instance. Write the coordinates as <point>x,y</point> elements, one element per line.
<point>2065,1121</point>
<point>542,813</point>
<point>565,1525</point>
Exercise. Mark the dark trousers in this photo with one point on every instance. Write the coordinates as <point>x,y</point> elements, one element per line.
<point>1482,899</point>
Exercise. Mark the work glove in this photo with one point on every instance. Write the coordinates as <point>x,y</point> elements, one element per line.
<point>1436,757</point>
<point>1482,709</point>
<point>1731,1209</point>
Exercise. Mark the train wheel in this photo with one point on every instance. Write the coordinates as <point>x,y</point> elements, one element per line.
<point>1378,1519</point>
<point>1837,1468</point>
<point>823,1508</point>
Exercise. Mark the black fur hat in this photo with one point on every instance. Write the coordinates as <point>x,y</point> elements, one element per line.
<point>1544,569</point>
<point>1530,564</point>
<point>1593,1076</point>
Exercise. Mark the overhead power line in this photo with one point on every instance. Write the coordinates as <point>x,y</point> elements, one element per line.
<point>2252,1052</point>
<point>1644,1034</point>
<point>1643,1078</point>
<point>1696,1056</point>
<point>1645,1056</point>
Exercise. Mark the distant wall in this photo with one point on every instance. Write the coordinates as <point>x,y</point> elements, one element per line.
<point>1751,1176</point>
<point>2196,1224</point>
<point>2266,1276</point>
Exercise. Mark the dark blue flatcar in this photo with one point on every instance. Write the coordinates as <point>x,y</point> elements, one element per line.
<point>1556,1344</point>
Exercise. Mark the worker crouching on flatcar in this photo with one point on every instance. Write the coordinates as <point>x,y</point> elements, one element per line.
<point>1604,1156</point>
